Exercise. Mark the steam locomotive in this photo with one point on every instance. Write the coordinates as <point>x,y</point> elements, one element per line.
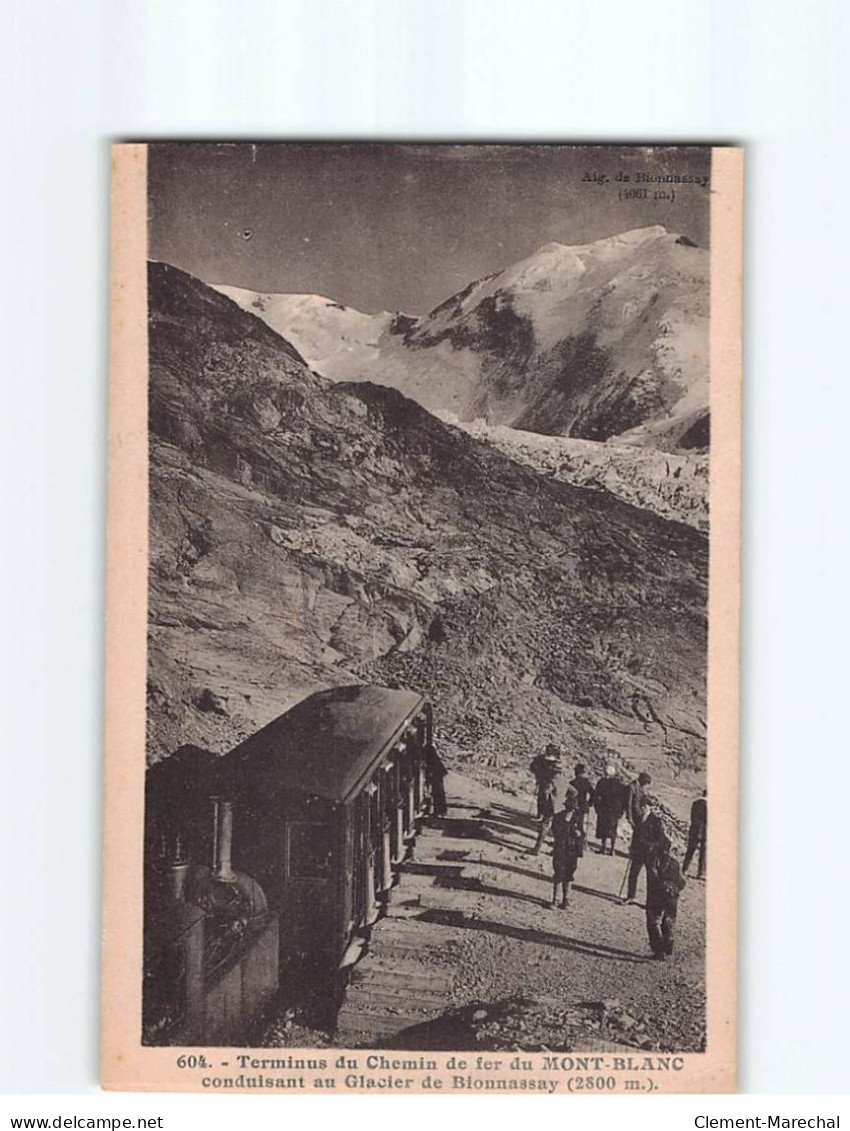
<point>277,856</point>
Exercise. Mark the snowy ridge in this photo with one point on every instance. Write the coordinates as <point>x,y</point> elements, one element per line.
<point>594,341</point>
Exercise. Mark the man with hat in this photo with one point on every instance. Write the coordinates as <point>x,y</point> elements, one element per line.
<point>568,846</point>
<point>551,787</point>
<point>645,829</point>
<point>697,836</point>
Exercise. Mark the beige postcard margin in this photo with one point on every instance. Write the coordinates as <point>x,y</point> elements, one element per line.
<point>125,1062</point>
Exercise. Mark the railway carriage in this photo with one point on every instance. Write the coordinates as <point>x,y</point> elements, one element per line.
<point>327,798</point>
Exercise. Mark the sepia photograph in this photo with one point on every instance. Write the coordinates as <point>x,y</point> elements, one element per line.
<point>426,460</point>
<point>428,443</point>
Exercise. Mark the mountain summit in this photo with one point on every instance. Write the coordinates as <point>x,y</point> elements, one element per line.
<point>598,341</point>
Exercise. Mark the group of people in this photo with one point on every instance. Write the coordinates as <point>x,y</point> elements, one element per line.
<point>563,808</point>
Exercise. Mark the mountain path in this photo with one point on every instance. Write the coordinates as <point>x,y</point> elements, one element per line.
<point>469,927</point>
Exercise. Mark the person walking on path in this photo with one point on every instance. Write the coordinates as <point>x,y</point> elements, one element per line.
<point>637,802</point>
<point>609,801</point>
<point>646,828</point>
<point>584,789</point>
<point>435,772</point>
<point>568,834</point>
<point>664,883</point>
<point>697,836</point>
<point>551,786</point>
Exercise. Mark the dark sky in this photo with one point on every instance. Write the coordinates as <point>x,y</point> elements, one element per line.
<point>396,227</point>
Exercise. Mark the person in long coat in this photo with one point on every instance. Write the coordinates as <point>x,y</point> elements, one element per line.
<point>609,801</point>
<point>568,847</point>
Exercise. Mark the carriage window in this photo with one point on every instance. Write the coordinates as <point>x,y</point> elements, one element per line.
<point>310,851</point>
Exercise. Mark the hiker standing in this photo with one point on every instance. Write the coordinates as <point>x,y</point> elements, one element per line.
<point>568,846</point>
<point>546,769</point>
<point>646,828</point>
<point>435,772</point>
<point>609,801</point>
<point>697,836</point>
<point>584,790</point>
<point>645,838</point>
<point>637,802</point>
<point>664,882</point>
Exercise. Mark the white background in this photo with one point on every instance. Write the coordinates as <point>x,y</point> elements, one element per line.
<point>769,74</point>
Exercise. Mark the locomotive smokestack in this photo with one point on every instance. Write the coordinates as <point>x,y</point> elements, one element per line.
<point>178,869</point>
<point>223,840</point>
<point>177,874</point>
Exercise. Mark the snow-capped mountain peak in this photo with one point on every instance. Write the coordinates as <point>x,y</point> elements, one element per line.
<point>596,340</point>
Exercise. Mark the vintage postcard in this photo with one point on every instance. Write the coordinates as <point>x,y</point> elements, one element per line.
<point>422,642</point>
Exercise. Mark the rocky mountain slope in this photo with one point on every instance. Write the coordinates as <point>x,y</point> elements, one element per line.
<point>305,534</point>
<point>608,339</point>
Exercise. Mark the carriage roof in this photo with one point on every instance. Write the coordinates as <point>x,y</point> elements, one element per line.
<point>327,745</point>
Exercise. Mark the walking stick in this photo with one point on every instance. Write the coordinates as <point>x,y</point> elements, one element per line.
<point>628,867</point>
<point>625,877</point>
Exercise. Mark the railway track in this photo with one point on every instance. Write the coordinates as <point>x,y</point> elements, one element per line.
<point>406,975</point>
